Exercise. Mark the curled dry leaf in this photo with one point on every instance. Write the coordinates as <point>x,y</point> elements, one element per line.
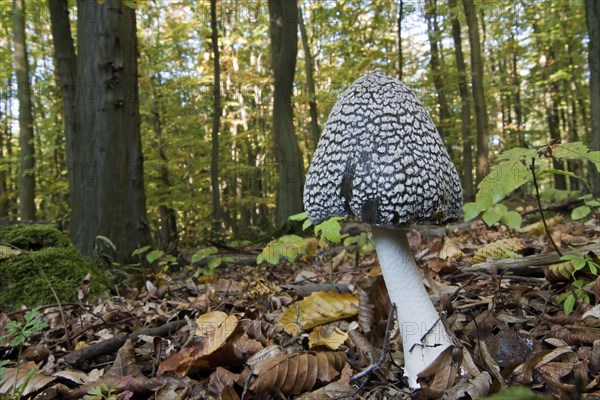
<point>365,310</point>
<point>451,250</point>
<point>317,309</point>
<point>296,373</point>
<point>537,228</point>
<point>341,387</point>
<point>328,336</point>
<point>261,331</point>
<point>474,388</point>
<point>219,380</point>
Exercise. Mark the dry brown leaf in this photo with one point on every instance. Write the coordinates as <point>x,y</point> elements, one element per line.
<point>261,331</point>
<point>341,387</point>
<point>317,309</point>
<point>365,310</point>
<point>296,373</point>
<point>214,328</point>
<point>328,336</point>
<point>474,388</point>
<point>219,380</point>
<point>22,380</point>
<point>503,248</point>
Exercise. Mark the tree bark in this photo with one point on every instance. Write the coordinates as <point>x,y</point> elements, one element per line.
<point>433,32</point>
<point>214,164</point>
<point>481,116</point>
<point>27,155</point>
<point>465,107</point>
<point>283,18</point>
<point>66,69</point>
<point>592,11</point>
<point>108,195</point>
<point>310,82</point>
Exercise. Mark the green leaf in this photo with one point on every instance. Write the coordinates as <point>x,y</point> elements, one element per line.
<point>471,210</point>
<point>491,216</point>
<point>330,230</point>
<point>287,246</point>
<point>516,392</point>
<point>140,250</point>
<point>560,172</point>
<point>580,212</point>
<point>203,253</point>
<point>569,304</point>
<point>154,255</point>
<point>593,203</point>
<point>508,175</point>
<point>298,217</point>
<point>512,219</point>
<point>214,262</point>
<point>306,224</point>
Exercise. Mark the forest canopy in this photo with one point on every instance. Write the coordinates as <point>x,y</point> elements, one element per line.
<point>214,108</point>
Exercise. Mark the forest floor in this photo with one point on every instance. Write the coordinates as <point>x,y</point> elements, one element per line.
<point>304,329</point>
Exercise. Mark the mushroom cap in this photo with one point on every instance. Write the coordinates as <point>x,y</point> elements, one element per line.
<point>380,158</point>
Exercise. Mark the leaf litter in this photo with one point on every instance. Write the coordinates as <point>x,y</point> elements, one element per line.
<point>305,329</point>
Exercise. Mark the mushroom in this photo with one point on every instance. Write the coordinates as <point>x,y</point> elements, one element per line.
<point>382,160</point>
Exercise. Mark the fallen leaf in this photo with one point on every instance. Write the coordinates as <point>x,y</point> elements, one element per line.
<point>331,337</point>
<point>317,309</point>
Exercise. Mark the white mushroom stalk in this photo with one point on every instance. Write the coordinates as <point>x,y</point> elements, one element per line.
<point>424,336</point>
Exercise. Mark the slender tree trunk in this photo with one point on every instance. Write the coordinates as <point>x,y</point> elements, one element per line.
<point>108,195</point>
<point>66,71</point>
<point>400,53</point>
<point>283,17</point>
<point>481,116</point>
<point>214,164</point>
<point>592,11</point>
<point>465,107</point>
<point>433,32</point>
<point>27,156</point>
<point>310,81</point>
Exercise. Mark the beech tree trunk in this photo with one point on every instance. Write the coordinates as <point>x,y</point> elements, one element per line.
<point>310,82</point>
<point>481,116</point>
<point>214,163</point>
<point>283,18</point>
<point>592,11</point>
<point>465,107</point>
<point>27,155</point>
<point>108,196</point>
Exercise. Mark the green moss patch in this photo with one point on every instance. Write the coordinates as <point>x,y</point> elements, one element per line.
<point>33,237</point>
<point>64,268</point>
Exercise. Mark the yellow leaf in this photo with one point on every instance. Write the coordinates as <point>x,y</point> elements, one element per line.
<point>497,250</point>
<point>215,327</point>
<point>451,250</point>
<point>317,309</point>
<point>329,337</point>
<point>537,228</point>
<point>8,252</point>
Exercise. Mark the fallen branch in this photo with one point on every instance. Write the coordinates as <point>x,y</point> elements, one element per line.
<point>530,261</point>
<point>116,342</point>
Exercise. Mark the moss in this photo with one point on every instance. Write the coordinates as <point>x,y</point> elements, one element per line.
<point>23,283</point>
<point>33,237</point>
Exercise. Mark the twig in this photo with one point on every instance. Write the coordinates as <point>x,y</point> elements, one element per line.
<point>300,328</point>
<point>539,204</point>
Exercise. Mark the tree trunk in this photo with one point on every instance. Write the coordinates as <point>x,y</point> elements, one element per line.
<point>108,196</point>
<point>310,82</point>
<point>214,164</point>
<point>481,116</point>
<point>66,70</point>
<point>592,11</point>
<point>27,156</point>
<point>433,32</point>
<point>283,18</point>
<point>465,107</point>
<point>400,54</point>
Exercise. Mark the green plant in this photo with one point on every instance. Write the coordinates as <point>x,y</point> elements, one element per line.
<point>101,392</point>
<point>583,263</point>
<point>586,209</point>
<point>158,260</point>
<point>213,262</point>
<point>17,333</point>
<point>515,168</point>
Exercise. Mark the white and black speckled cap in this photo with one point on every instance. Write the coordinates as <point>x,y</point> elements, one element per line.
<point>381,159</point>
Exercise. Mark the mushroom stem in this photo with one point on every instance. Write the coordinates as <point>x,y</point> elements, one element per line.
<point>424,336</point>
